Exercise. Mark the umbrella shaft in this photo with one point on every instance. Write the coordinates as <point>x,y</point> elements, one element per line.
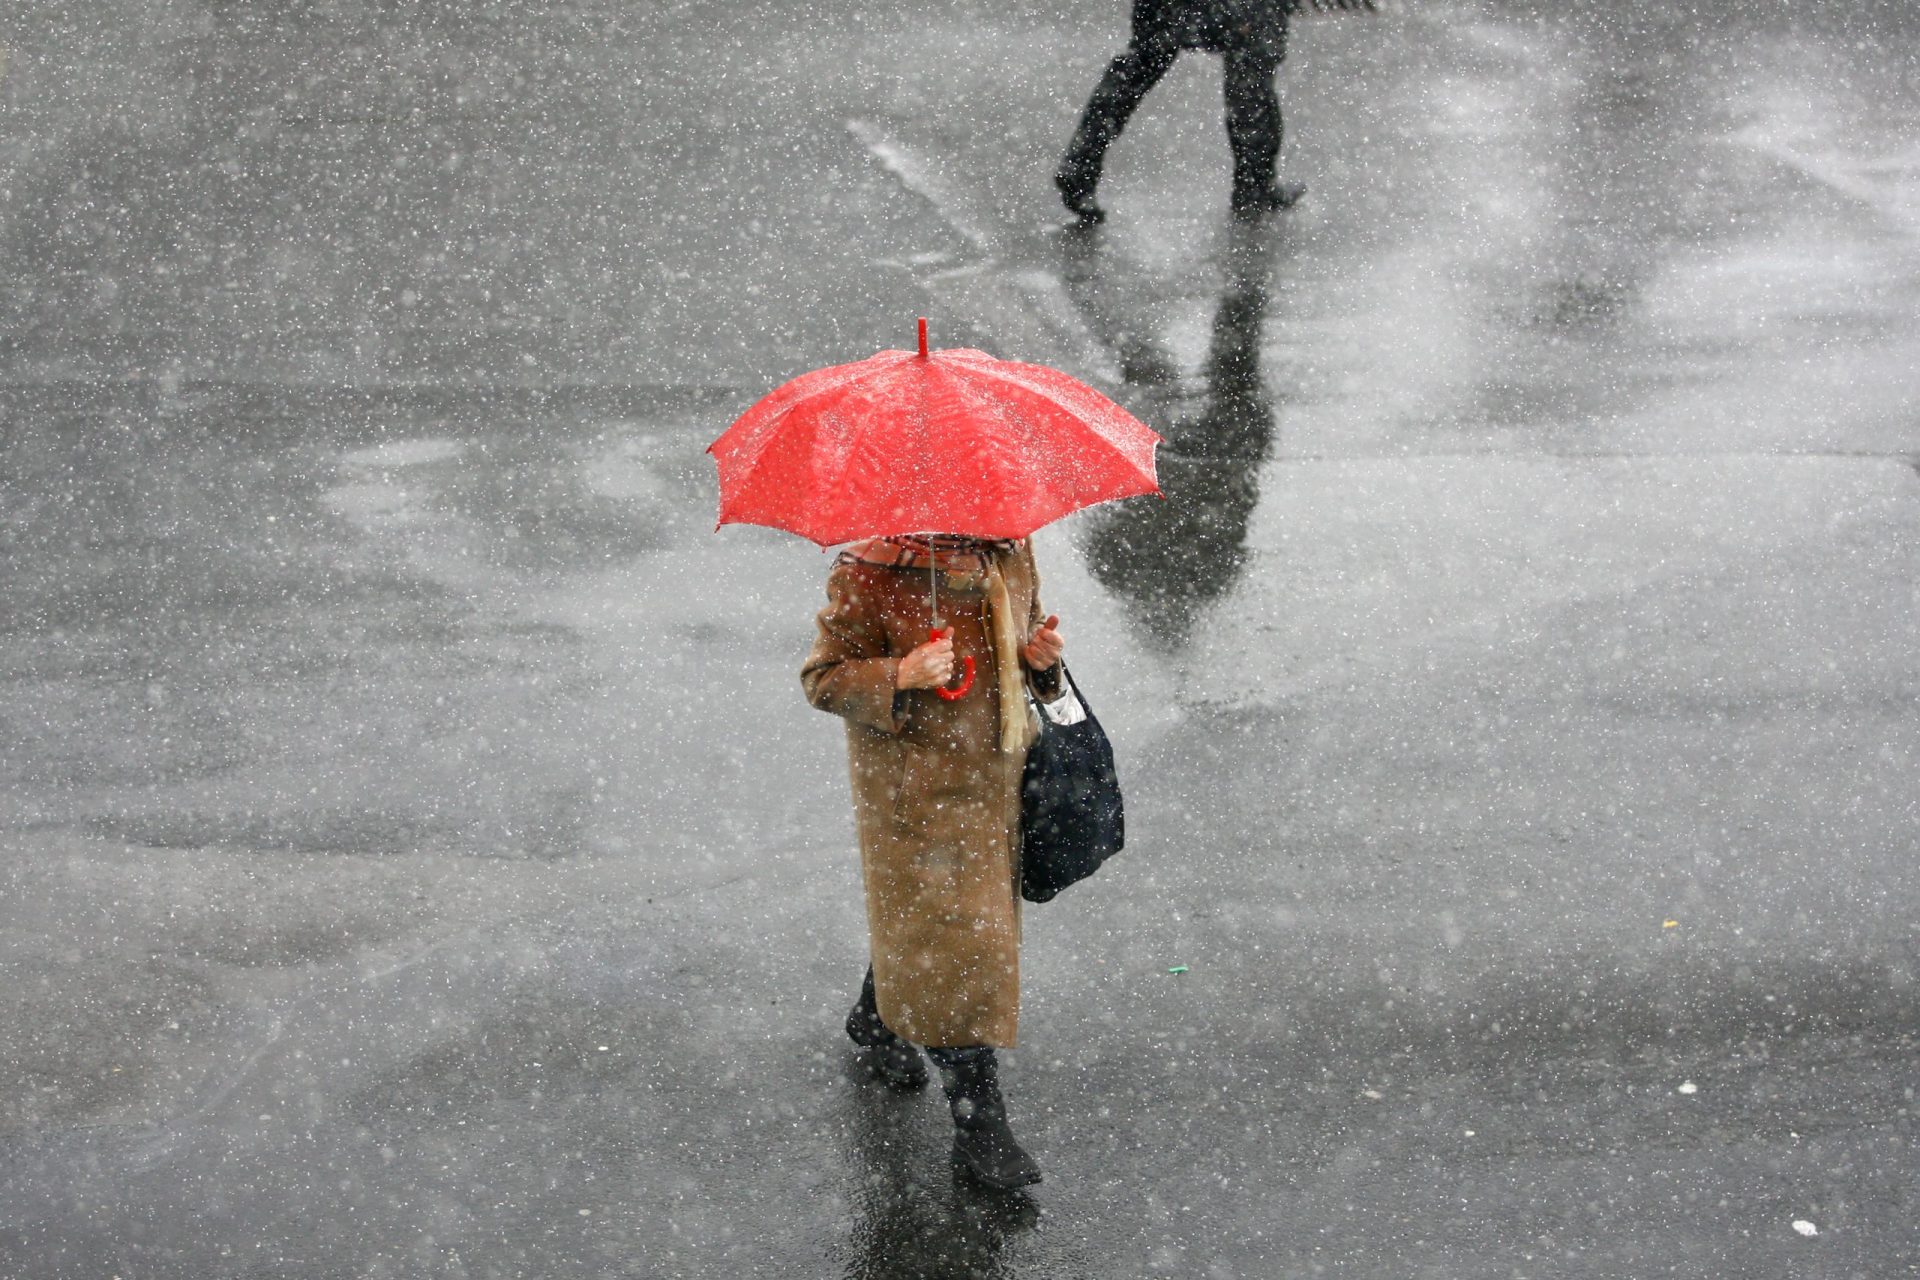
<point>933,582</point>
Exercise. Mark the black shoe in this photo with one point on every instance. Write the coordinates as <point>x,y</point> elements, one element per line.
<point>888,1056</point>
<point>1270,199</point>
<point>983,1142</point>
<point>1078,197</point>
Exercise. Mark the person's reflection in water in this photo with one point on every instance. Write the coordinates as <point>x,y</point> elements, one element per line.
<point>1173,557</point>
<point>914,1218</point>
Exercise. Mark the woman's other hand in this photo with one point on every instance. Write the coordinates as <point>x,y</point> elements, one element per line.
<point>1044,647</point>
<point>928,667</point>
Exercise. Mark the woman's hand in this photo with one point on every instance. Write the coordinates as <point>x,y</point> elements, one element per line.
<point>929,666</point>
<point>1044,647</point>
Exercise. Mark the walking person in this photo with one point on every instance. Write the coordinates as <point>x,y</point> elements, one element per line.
<point>936,794</point>
<point>1251,37</point>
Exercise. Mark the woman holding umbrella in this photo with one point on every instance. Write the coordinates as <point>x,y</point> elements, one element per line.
<point>936,793</point>
<point>931,648</point>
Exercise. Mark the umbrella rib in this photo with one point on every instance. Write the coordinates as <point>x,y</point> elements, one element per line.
<point>1083,404</point>
<point>1101,409</point>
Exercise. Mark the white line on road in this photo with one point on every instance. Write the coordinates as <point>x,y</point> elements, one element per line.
<point>920,178</point>
<point>1027,311</point>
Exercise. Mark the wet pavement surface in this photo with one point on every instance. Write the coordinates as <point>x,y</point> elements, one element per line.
<point>418,859</point>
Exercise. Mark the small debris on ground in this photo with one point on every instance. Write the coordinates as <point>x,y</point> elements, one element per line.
<point>1805,1228</point>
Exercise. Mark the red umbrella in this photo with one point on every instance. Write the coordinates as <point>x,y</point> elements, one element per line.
<point>949,441</point>
<point>930,442</point>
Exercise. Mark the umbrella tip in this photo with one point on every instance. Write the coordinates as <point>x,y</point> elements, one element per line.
<point>923,335</point>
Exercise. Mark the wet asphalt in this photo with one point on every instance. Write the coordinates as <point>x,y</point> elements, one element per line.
<point>418,859</point>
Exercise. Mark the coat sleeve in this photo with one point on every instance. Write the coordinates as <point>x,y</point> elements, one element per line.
<point>1046,685</point>
<point>850,671</point>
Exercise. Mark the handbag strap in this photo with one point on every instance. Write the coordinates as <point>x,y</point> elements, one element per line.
<point>1071,684</point>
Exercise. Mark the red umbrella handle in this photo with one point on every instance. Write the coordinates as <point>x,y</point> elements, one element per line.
<point>953,693</point>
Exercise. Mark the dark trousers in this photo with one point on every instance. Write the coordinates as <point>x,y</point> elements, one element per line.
<point>1253,112</point>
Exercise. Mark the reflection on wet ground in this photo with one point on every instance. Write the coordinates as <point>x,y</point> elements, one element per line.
<point>915,1216</point>
<point>231,587</point>
<point>1170,558</point>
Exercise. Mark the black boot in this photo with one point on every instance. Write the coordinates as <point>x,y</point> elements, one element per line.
<point>982,1140</point>
<point>1076,192</point>
<point>1253,202</point>
<point>887,1055</point>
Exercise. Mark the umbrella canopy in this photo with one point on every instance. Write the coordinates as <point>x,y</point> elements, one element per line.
<point>950,441</point>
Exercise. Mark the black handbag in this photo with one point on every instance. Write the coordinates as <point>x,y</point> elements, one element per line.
<point>1071,816</point>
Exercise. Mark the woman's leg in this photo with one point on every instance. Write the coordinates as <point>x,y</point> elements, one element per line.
<point>1114,100</point>
<point>891,1058</point>
<point>982,1139</point>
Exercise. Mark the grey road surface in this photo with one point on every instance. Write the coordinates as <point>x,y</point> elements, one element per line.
<point>416,859</point>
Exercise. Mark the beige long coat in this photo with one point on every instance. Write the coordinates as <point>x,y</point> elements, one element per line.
<point>935,795</point>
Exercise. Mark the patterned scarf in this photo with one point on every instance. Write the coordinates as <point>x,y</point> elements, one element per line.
<point>978,560</point>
